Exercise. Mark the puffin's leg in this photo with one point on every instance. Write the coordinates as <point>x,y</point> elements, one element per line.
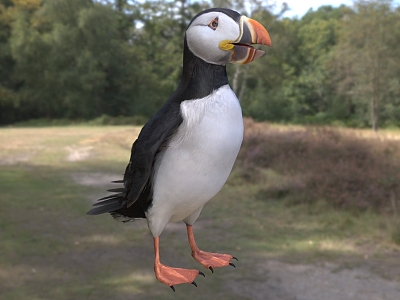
<point>171,276</point>
<point>208,259</point>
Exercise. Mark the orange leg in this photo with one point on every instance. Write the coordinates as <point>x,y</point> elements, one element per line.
<point>208,259</point>
<point>171,276</point>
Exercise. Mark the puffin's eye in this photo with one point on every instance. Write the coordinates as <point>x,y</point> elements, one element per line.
<point>213,24</point>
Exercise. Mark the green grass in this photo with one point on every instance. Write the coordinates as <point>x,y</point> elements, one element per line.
<point>50,249</point>
<point>99,121</point>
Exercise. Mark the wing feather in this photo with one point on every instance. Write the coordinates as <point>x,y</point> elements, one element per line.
<point>144,150</point>
<point>137,178</point>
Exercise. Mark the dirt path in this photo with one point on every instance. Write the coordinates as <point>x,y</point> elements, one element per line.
<point>282,281</point>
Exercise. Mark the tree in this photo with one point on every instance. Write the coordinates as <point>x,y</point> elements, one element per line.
<point>292,82</point>
<point>366,61</point>
<point>160,39</point>
<point>72,60</point>
<point>9,98</point>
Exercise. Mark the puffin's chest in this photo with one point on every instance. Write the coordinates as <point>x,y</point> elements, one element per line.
<point>212,129</point>
<point>200,157</point>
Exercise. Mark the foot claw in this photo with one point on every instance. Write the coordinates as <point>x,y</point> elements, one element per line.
<point>211,268</point>
<point>232,265</point>
<point>234,258</point>
<point>202,274</point>
<point>194,283</point>
<point>172,287</point>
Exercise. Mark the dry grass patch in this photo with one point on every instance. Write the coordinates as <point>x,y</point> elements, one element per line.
<point>324,164</point>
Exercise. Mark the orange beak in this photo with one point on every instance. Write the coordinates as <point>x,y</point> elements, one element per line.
<point>251,32</point>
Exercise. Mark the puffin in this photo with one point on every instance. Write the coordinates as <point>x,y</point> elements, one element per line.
<point>185,152</point>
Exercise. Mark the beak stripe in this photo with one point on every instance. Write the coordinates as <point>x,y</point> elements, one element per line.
<point>259,34</point>
<point>251,32</point>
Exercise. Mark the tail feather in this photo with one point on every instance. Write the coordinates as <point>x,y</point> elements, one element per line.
<point>109,201</point>
<point>117,190</point>
<point>110,207</point>
<point>118,181</point>
<point>111,196</point>
<point>116,205</point>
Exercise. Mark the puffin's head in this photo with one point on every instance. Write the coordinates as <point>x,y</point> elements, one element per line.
<point>220,36</point>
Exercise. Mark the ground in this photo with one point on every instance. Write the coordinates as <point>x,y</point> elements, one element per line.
<point>50,249</point>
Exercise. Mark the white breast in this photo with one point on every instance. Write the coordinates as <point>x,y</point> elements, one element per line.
<point>199,158</point>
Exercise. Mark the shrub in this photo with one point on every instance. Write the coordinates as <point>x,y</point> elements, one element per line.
<point>320,163</point>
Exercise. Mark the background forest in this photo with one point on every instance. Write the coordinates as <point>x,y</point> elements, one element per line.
<point>83,59</point>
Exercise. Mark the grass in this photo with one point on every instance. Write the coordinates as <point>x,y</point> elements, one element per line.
<point>99,121</point>
<point>50,249</point>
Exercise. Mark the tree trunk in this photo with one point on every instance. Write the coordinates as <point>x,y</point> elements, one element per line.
<point>374,117</point>
<point>235,81</point>
<point>244,82</point>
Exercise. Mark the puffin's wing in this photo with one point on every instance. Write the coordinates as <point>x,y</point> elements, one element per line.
<point>153,137</point>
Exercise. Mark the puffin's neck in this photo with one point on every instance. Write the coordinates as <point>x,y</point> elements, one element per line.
<point>199,78</point>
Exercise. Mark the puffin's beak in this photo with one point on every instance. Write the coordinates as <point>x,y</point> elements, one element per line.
<point>251,32</point>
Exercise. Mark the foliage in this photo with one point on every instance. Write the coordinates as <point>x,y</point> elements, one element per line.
<point>367,64</point>
<point>80,59</point>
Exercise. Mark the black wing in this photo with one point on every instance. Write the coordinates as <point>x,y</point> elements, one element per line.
<point>137,178</point>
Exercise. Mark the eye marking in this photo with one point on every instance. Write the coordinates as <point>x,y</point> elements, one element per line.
<point>213,24</point>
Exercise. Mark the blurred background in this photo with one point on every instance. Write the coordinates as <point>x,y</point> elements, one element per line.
<point>80,60</point>
<point>312,207</point>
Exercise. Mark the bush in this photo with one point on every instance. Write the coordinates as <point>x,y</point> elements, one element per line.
<point>319,163</point>
<point>396,235</point>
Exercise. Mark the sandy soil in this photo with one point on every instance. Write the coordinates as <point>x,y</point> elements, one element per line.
<point>283,281</point>
<point>78,153</point>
